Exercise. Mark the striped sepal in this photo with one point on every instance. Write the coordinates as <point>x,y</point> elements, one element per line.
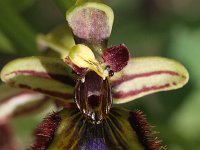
<point>15,102</point>
<point>146,75</point>
<point>45,75</point>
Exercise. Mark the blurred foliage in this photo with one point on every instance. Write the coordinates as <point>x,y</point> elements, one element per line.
<point>148,27</point>
<point>64,5</point>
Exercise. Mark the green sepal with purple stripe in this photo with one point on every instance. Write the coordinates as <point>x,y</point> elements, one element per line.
<point>146,75</point>
<point>46,75</point>
<point>17,102</point>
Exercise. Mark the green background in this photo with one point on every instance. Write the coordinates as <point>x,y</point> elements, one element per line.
<point>148,27</point>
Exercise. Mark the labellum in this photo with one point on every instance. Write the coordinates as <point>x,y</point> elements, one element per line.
<point>120,129</point>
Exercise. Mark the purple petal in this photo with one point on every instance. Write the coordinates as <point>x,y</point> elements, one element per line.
<point>117,57</point>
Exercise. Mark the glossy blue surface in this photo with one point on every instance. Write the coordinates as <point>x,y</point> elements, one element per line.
<point>96,144</point>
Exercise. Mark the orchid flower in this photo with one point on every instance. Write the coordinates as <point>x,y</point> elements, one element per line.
<point>86,77</point>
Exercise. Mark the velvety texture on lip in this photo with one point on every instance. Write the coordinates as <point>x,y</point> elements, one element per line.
<point>121,129</point>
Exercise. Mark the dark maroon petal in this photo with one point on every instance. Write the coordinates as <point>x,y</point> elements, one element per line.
<point>117,57</point>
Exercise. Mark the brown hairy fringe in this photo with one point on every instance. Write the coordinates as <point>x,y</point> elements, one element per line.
<point>44,133</point>
<point>144,131</point>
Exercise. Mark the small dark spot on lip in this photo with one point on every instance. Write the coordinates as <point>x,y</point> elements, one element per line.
<point>94,101</point>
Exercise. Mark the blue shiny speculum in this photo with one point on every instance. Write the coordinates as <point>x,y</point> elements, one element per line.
<point>97,144</point>
<point>93,96</point>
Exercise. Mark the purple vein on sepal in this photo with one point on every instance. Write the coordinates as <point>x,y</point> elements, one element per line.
<point>62,78</point>
<point>136,92</point>
<point>48,92</point>
<point>32,108</point>
<point>15,95</point>
<point>143,75</point>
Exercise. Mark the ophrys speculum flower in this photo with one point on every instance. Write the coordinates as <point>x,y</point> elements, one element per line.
<point>102,76</point>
